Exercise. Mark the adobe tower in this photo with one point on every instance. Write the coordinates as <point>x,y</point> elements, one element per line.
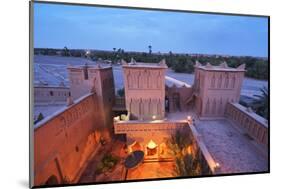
<point>215,86</point>
<point>145,89</point>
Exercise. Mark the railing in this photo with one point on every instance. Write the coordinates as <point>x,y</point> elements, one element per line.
<point>254,125</point>
<point>56,136</point>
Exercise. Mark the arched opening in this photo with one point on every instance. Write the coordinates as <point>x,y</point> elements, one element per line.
<point>52,180</point>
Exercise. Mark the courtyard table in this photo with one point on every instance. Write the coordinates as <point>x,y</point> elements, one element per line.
<point>134,159</point>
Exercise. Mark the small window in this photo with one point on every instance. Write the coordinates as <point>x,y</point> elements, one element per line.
<point>51,93</point>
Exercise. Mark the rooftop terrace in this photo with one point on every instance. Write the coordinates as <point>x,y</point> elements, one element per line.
<point>169,81</point>
<point>233,150</point>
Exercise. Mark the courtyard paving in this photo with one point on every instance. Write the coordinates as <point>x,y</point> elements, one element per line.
<point>118,173</point>
<point>233,150</point>
<point>152,170</point>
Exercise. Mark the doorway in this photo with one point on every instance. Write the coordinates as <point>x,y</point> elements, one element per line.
<point>167,105</point>
<point>176,101</point>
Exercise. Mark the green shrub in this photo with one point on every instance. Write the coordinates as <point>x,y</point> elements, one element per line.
<point>40,117</point>
<point>107,163</point>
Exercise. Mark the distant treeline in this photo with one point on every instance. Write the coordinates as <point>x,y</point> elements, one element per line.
<point>184,63</point>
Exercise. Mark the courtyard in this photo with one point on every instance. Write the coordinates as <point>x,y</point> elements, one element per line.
<point>118,173</point>
<point>152,170</point>
<point>146,170</point>
<point>233,150</point>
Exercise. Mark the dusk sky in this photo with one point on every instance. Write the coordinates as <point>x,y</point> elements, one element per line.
<point>56,26</point>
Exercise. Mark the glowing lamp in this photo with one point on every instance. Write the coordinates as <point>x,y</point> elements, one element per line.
<point>189,119</point>
<point>151,144</point>
<point>189,149</point>
<point>153,117</point>
<point>217,165</point>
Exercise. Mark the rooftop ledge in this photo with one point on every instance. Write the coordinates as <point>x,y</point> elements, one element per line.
<point>134,64</point>
<point>255,116</point>
<point>149,121</point>
<point>222,67</point>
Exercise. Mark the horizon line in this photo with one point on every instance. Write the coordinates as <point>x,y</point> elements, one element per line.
<point>155,52</point>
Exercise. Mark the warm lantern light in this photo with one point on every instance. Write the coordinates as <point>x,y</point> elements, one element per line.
<point>130,150</point>
<point>217,165</point>
<point>151,144</point>
<point>153,117</point>
<point>189,119</point>
<point>189,149</point>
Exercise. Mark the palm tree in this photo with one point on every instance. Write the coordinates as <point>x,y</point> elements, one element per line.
<point>187,164</point>
<point>150,49</point>
<point>260,105</point>
<point>39,118</point>
<point>66,51</point>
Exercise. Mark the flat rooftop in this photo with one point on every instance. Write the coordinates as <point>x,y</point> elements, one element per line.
<point>170,82</point>
<point>233,150</point>
<point>48,110</point>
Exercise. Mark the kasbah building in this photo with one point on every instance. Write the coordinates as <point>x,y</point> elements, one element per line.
<point>231,138</point>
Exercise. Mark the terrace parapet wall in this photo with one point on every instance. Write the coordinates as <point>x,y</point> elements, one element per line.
<point>209,164</point>
<point>251,123</point>
<point>122,127</point>
<point>63,142</point>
